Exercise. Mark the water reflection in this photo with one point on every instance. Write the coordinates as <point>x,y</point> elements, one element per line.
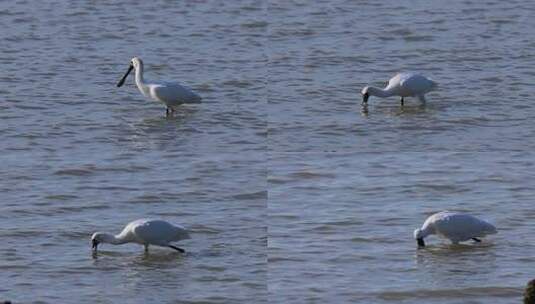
<point>364,109</point>
<point>409,109</point>
<point>397,110</point>
<point>450,264</point>
<point>182,115</point>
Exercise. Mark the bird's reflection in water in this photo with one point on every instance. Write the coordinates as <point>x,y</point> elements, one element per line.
<point>449,263</point>
<point>182,114</point>
<point>397,110</point>
<point>412,110</point>
<point>364,109</point>
<point>158,257</point>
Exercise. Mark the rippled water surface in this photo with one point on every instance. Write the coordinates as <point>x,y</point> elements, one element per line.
<point>280,80</point>
<point>348,184</point>
<point>480,53</point>
<point>341,227</point>
<point>80,155</point>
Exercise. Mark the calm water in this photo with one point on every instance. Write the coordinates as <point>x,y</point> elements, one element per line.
<point>280,81</point>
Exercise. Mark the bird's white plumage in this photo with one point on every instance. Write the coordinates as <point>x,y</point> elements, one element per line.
<point>154,232</point>
<point>145,232</point>
<point>457,227</point>
<point>171,94</point>
<point>404,85</point>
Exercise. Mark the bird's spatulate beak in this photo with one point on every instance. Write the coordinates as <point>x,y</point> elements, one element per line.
<point>365,98</point>
<point>121,82</point>
<point>421,243</point>
<point>94,245</point>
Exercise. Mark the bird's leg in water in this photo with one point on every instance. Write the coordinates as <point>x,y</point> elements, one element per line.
<point>146,247</point>
<point>177,248</point>
<point>167,112</point>
<point>402,101</point>
<point>476,240</point>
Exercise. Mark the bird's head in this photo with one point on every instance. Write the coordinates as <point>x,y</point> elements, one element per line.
<point>99,237</point>
<point>96,239</point>
<point>365,94</point>
<point>419,236</point>
<point>418,233</point>
<point>136,62</point>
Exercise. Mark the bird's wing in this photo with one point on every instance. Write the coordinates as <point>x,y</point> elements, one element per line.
<point>128,231</point>
<point>394,82</point>
<point>463,226</point>
<point>437,217</point>
<point>154,232</point>
<point>415,84</point>
<point>174,93</point>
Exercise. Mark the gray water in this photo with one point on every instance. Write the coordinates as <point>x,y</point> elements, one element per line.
<point>340,227</point>
<point>346,184</point>
<point>349,184</point>
<point>80,155</point>
<point>480,53</point>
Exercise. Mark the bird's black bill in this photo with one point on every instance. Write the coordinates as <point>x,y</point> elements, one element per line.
<point>421,242</point>
<point>121,82</point>
<point>177,248</point>
<point>365,98</point>
<point>94,244</point>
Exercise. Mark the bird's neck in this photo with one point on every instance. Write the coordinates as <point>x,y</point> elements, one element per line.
<point>140,82</point>
<point>114,239</point>
<point>427,230</point>
<point>379,92</point>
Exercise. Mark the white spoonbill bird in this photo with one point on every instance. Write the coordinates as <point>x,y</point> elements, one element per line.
<point>457,227</point>
<point>403,85</point>
<point>144,232</point>
<point>171,94</point>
